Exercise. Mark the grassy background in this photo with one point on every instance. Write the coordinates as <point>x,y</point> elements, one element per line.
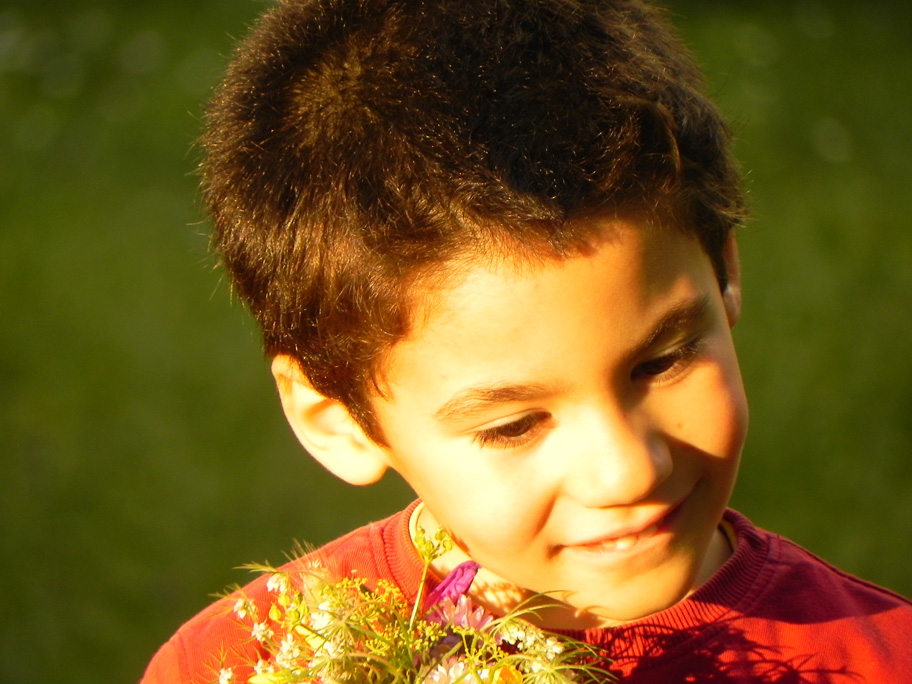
<point>143,455</point>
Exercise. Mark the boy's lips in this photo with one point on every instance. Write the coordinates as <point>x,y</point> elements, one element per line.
<point>626,538</point>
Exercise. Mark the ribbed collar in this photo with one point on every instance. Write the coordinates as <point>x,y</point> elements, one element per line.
<point>394,546</point>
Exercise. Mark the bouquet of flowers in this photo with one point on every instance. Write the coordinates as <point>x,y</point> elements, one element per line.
<point>328,631</point>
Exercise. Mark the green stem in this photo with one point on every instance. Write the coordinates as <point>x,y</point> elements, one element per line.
<point>420,596</point>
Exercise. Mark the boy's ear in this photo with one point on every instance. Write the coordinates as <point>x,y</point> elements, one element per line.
<point>325,427</point>
<point>731,295</point>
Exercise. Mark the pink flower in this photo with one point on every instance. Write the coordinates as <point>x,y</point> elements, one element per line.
<point>454,585</point>
<point>461,614</point>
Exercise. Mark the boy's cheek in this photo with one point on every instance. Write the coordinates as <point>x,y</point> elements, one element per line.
<point>710,412</point>
<point>730,410</point>
<point>739,410</point>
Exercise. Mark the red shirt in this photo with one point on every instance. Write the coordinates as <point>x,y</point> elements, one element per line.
<point>772,613</point>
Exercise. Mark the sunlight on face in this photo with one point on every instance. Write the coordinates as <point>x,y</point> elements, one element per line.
<point>577,424</point>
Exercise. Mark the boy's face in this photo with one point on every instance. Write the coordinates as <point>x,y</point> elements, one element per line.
<point>577,425</point>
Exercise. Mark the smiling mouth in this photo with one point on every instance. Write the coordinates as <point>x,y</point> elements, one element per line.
<point>626,542</point>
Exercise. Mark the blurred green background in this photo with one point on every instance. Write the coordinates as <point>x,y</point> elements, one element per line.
<point>143,455</point>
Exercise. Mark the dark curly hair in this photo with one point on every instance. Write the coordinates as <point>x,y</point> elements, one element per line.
<point>355,145</point>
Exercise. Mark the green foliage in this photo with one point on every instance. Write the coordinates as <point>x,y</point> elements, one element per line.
<point>137,418</point>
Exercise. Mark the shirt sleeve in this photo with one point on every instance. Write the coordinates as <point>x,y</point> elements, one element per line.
<point>164,667</point>
<point>212,647</point>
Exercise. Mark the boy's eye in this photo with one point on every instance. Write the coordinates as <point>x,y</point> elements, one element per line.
<point>513,434</point>
<point>668,365</point>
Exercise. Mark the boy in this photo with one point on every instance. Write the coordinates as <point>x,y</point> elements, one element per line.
<point>489,243</point>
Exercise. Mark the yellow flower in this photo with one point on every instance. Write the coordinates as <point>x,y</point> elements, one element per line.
<point>266,678</point>
<point>505,675</point>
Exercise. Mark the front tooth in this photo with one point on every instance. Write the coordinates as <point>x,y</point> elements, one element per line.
<point>625,543</point>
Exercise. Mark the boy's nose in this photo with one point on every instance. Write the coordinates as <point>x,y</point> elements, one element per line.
<point>619,461</point>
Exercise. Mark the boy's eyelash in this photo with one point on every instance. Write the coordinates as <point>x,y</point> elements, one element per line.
<point>513,434</point>
<point>523,430</point>
<point>669,365</point>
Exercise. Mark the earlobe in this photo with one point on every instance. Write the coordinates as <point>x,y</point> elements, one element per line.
<point>731,295</point>
<point>325,427</point>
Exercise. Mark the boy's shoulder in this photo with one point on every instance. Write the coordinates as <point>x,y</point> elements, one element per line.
<point>217,642</point>
<point>818,591</point>
<point>853,629</point>
<point>808,619</point>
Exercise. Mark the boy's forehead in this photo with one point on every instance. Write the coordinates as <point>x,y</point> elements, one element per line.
<point>441,295</point>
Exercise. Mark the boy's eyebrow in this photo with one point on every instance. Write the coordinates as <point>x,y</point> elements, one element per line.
<point>684,317</point>
<point>475,400</point>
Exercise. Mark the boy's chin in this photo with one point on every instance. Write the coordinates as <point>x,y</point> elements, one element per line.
<point>566,610</point>
<point>637,597</point>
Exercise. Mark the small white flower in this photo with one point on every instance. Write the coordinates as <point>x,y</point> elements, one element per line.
<point>320,618</point>
<point>277,582</point>
<point>519,634</point>
<point>261,631</point>
<point>289,652</point>
<point>553,648</point>
<point>226,676</point>
<point>326,648</point>
<point>262,667</point>
<point>243,607</point>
